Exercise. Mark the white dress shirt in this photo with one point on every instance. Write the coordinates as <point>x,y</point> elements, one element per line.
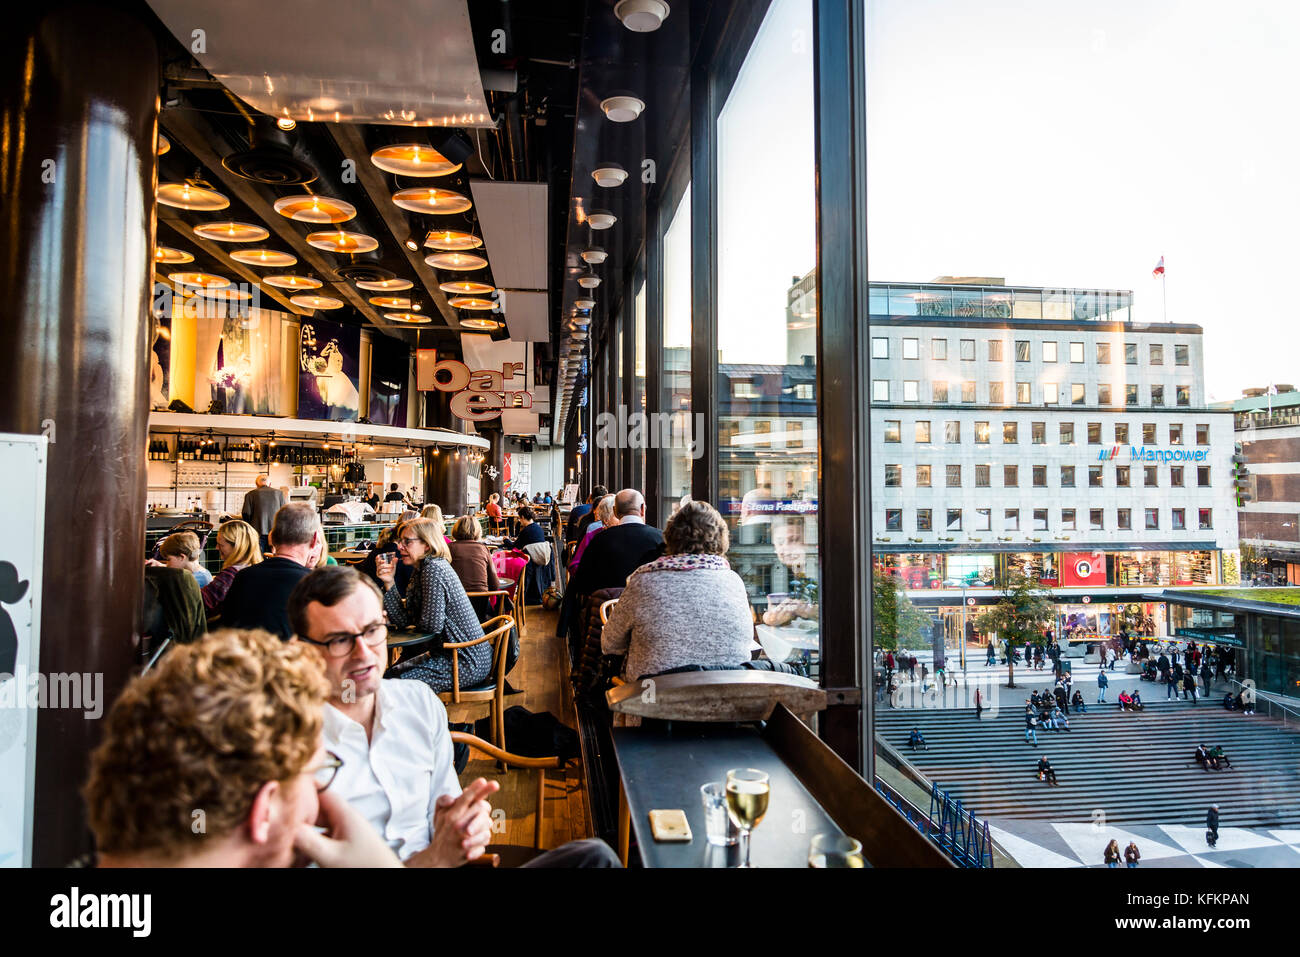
<point>395,778</point>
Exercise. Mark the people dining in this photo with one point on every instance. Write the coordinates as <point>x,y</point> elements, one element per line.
<point>393,737</point>
<point>530,533</point>
<point>182,550</point>
<point>493,509</point>
<point>579,511</point>
<point>604,518</point>
<point>238,546</point>
<point>472,562</point>
<point>685,608</point>
<point>584,521</point>
<point>259,595</point>
<point>435,602</point>
<point>230,725</point>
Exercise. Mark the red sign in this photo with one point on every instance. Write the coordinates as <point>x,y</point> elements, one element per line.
<point>1083,569</point>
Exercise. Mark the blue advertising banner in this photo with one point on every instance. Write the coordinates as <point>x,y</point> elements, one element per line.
<point>389,374</point>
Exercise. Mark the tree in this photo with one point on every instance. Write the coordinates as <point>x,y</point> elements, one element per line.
<point>1020,616</point>
<point>895,621</point>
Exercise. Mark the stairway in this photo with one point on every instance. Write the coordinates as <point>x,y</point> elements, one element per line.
<point>1136,768</point>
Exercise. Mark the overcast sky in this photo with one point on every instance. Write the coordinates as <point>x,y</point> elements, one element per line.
<point>1072,144</point>
<point>1052,143</point>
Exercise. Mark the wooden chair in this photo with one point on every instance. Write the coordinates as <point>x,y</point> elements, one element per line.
<point>487,699</point>
<point>605,608</point>
<point>514,855</point>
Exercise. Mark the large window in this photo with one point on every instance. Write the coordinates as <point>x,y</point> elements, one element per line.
<point>675,395</point>
<point>772,513</point>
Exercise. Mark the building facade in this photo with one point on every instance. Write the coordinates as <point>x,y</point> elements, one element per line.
<point>1268,429</point>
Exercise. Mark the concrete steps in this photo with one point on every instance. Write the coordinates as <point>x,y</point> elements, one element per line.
<point>1136,768</point>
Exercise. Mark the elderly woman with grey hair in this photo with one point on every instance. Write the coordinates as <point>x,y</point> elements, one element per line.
<point>686,608</point>
<point>604,512</point>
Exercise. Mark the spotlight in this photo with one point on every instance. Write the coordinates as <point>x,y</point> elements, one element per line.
<point>412,245</point>
<point>641,16</point>
<point>285,123</point>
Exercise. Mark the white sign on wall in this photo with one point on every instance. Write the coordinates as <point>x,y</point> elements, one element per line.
<point>519,472</point>
<point>22,550</point>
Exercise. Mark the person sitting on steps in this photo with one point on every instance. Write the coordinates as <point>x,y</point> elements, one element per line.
<point>917,740</point>
<point>1046,772</point>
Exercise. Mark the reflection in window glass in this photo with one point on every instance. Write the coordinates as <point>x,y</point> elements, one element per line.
<point>675,397</point>
<point>769,495</point>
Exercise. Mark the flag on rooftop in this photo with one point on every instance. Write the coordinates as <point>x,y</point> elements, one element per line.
<point>1159,270</point>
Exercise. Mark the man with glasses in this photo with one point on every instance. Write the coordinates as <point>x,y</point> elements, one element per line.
<point>393,738</point>
<point>215,759</point>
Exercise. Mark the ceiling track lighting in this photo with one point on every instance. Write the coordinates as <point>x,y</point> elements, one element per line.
<point>601,219</point>
<point>593,255</point>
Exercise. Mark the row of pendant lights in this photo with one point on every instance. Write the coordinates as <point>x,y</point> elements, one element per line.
<point>639,16</point>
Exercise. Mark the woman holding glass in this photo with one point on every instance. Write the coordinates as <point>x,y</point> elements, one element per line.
<point>436,603</point>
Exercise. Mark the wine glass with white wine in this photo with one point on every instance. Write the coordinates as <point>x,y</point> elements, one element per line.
<point>747,794</point>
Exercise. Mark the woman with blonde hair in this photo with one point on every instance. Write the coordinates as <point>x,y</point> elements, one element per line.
<point>435,602</point>
<point>237,542</point>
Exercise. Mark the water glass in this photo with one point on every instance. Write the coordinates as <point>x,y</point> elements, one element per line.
<point>718,825</point>
<point>835,850</point>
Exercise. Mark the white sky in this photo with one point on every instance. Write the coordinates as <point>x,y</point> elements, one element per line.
<point>1053,143</point>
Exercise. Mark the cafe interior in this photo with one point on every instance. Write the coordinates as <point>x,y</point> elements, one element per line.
<point>351,246</point>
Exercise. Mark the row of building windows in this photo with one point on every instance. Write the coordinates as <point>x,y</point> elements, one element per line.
<point>923,433</point>
<point>1053,393</point>
<point>983,519</point>
<point>1050,351</point>
<point>1069,475</point>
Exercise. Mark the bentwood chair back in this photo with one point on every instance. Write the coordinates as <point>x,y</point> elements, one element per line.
<point>469,704</point>
<point>511,854</point>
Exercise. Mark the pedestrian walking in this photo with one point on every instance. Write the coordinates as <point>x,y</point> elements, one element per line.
<point>1131,855</point>
<point>1171,684</point>
<point>1111,854</point>
<point>1189,686</point>
<point>979,704</point>
<point>1031,726</point>
<point>1212,825</point>
<point>1102,684</point>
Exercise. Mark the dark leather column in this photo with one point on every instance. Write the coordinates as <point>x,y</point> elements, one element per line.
<point>445,472</point>
<point>79,117</point>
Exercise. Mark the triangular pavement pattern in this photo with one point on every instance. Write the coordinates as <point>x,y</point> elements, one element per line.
<point>1089,842</point>
<point>1286,837</point>
<point>1206,862</point>
<point>1230,838</point>
<point>1027,853</point>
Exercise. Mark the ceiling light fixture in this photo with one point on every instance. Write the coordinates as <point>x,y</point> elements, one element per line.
<point>165,254</point>
<point>293,282</point>
<point>589,281</point>
<point>286,123</point>
<point>407,317</point>
<point>641,16</point>
<point>413,159</point>
<point>263,257</point>
<point>452,240</point>
<point>164,144</point>
<point>202,280</point>
<point>412,245</point>
<point>622,109</point>
<point>430,199</point>
<point>232,232</point>
<point>317,302</point>
<point>390,302</point>
<point>384,285</point>
<point>455,261</point>
<point>463,287</point>
<point>472,302</point>
<point>609,175</point>
<point>191,196</point>
<point>309,208</point>
<point>480,323</point>
<point>593,255</point>
<point>585,303</point>
<point>342,241</point>
<point>601,219</point>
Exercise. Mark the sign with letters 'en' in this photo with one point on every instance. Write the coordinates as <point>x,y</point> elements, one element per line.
<point>479,394</point>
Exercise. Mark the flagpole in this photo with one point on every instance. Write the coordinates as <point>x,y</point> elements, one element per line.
<point>1164,297</point>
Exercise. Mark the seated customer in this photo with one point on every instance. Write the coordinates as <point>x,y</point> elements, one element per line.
<point>231,726</point>
<point>182,550</point>
<point>686,608</point>
<point>393,736</point>
<point>237,543</point>
<point>385,544</point>
<point>472,562</point>
<point>604,512</point>
<point>259,595</point>
<point>435,602</point>
<point>530,533</point>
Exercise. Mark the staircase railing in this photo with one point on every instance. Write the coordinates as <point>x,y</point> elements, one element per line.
<point>1289,713</point>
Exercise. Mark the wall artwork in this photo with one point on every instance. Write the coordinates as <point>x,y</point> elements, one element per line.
<point>389,373</point>
<point>239,361</point>
<point>328,364</point>
<point>160,363</point>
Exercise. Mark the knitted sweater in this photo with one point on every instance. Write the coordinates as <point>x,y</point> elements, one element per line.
<point>670,616</point>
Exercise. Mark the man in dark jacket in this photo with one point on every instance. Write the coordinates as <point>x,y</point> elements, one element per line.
<point>260,506</point>
<point>1212,825</point>
<point>578,511</point>
<point>619,550</point>
<point>259,595</point>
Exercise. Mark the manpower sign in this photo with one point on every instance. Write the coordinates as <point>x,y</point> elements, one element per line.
<point>1142,453</point>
